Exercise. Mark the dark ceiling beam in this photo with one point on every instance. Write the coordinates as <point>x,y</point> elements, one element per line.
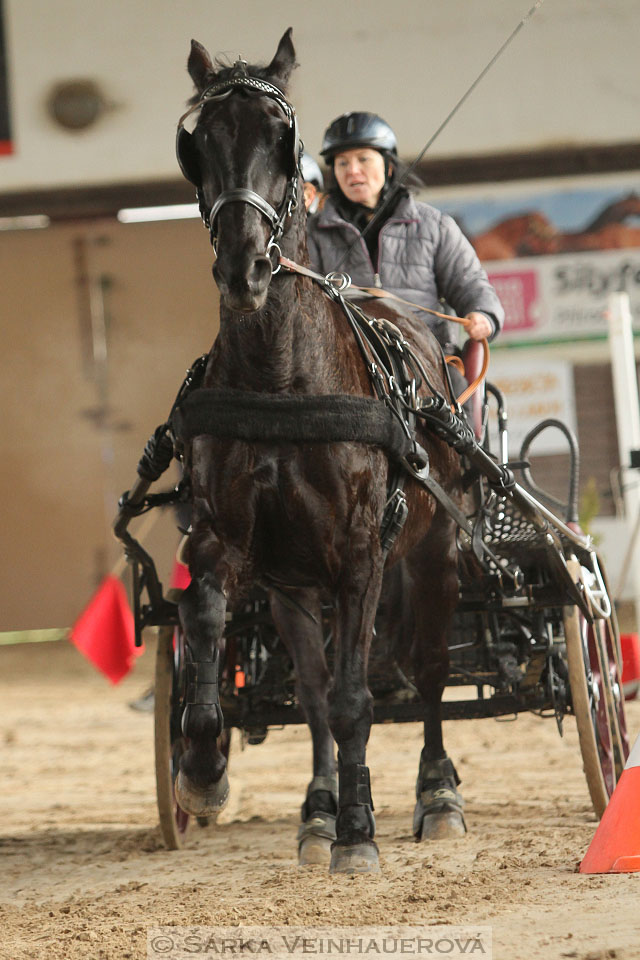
<point>105,201</point>
<point>531,165</point>
<point>95,202</point>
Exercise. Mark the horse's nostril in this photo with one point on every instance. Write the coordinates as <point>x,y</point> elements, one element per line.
<point>243,281</point>
<point>218,276</point>
<point>260,274</point>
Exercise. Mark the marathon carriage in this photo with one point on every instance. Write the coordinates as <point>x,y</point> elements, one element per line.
<point>535,629</point>
<point>334,422</point>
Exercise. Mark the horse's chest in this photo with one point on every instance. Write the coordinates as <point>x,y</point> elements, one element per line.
<point>299,492</point>
<point>295,499</point>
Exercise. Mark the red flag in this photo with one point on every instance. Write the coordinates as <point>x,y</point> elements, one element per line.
<point>180,576</point>
<point>104,631</point>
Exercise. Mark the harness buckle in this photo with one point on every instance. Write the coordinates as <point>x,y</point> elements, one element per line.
<point>393,520</point>
<point>394,387</point>
<point>418,457</point>
<point>339,281</point>
<point>377,380</point>
<point>292,196</point>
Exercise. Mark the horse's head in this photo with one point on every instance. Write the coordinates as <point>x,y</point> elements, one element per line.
<point>243,157</point>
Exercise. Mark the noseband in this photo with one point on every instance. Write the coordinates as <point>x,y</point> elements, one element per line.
<point>239,79</point>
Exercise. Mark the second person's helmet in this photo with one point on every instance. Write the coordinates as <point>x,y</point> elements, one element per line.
<point>311,171</point>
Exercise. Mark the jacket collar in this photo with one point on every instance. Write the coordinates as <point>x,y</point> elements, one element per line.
<point>405,210</point>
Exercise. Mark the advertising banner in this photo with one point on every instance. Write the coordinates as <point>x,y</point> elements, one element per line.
<point>534,390</point>
<point>564,296</point>
<point>555,256</point>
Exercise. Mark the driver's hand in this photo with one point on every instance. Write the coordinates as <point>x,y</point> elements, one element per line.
<point>479,326</point>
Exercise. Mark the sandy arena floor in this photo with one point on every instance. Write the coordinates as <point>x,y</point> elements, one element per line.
<point>85,872</point>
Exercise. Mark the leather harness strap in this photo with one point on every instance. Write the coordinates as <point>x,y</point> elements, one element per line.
<point>380,294</point>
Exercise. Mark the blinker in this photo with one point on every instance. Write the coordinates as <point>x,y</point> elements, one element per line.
<point>185,156</point>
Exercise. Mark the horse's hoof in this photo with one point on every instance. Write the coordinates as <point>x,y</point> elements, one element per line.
<point>359,858</point>
<point>445,825</point>
<point>314,851</point>
<point>201,803</point>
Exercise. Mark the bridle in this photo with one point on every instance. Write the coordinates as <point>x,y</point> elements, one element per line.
<point>239,79</point>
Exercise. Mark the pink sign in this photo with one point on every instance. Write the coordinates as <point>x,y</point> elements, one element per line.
<point>518,292</point>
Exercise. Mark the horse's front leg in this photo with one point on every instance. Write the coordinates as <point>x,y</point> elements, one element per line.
<point>351,711</point>
<point>202,786</point>
<point>301,632</point>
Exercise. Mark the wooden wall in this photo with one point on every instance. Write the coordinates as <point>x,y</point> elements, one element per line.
<point>70,443</point>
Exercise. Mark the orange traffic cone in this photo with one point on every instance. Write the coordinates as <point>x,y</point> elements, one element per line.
<point>630,645</point>
<point>615,847</point>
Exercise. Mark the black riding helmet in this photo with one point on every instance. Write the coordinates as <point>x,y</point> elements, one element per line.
<point>358,130</point>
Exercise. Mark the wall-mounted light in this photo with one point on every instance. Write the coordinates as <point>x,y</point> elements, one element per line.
<point>174,211</point>
<point>76,104</point>
<point>35,222</point>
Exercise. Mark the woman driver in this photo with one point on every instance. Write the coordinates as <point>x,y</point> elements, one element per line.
<point>414,251</point>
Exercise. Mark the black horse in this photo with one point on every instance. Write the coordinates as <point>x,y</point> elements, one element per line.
<point>301,514</point>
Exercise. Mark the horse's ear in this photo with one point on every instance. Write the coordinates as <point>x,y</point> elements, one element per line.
<point>285,58</point>
<point>200,66</point>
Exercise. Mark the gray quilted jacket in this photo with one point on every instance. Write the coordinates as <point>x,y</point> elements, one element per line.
<point>422,256</point>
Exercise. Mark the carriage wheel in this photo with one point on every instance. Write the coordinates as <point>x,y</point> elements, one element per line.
<point>608,647</point>
<point>169,741</point>
<point>590,703</point>
<point>611,654</point>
